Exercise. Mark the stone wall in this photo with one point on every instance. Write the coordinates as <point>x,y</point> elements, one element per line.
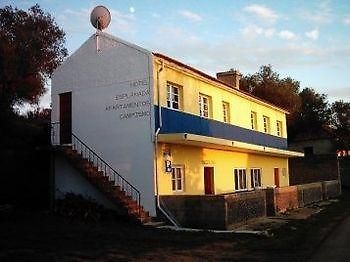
<point>241,207</point>
<point>195,211</point>
<point>217,211</point>
<point>331,189</point>
<point>222,211</point>
<point>309,193</point>
<point>311,169</point>
<point>281,199</point>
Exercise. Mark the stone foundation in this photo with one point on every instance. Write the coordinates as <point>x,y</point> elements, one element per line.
<point>223,211</point>
<point>281,199</point>
<point>309,193</point>
<point>248,204</point>
<point>216,211</point>
<point>331,189</point>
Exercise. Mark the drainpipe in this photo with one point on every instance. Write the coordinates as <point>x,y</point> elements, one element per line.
<point>156,146</point>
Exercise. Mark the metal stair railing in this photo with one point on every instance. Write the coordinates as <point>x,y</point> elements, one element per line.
<point>109,171</point>
<point>86,152</point>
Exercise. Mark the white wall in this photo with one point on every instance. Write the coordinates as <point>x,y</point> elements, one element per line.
<point>68,179</point>
<point>111,106</point>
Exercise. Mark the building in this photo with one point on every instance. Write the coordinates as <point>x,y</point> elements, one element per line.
<point>168,129</point>
<point>320,162</point>
<point>315,143</point>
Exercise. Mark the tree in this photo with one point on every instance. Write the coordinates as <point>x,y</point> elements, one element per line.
<point>341,123</point>
<point>31,47</point>
<point>314,113</point>
<point>268,85</point>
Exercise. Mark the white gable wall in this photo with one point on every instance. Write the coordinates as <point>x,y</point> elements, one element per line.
<point>112,110</point>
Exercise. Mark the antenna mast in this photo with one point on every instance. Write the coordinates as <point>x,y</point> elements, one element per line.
<point>100,18</point>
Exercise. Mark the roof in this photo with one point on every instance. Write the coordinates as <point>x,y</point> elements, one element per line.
<point>194,70</point>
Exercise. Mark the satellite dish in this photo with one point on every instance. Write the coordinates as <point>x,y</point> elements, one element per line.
<point>100,17</point>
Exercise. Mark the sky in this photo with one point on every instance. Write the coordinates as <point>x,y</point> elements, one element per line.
<point>306,40</point>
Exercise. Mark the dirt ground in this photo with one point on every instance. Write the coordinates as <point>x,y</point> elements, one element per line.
<point>42,236</point>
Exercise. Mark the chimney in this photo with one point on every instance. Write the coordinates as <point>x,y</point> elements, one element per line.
<point>230,77</point>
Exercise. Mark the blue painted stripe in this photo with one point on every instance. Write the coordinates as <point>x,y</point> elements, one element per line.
<point>181,122</point>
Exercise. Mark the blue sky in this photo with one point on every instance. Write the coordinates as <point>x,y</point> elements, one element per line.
<point>306,40</point>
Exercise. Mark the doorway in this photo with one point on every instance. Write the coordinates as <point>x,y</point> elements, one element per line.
<point>209,180</point>
<point>65,118</point>
<point>277,176</point>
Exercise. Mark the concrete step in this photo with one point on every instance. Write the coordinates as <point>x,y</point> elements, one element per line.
<point>154,224</point>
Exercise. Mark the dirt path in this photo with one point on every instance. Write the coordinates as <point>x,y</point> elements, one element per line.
<point>336,246</point>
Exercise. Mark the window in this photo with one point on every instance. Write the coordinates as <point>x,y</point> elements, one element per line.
<point>177,178</point>
<point>204,105</point>
<point>173,96</point>
<point>266,124</point>
<point>279,128</point>
<point>284,171</point>
<point>255,175</point>
<point>240,179</point>
<point>253,120</point>
<point>226,112</point>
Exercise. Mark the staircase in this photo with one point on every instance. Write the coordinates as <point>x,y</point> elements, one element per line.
<point>106,179</point>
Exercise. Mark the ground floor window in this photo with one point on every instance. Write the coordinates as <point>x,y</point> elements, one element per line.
<point>255,175</point>
<point>177,178</point>
<point>240,179</point>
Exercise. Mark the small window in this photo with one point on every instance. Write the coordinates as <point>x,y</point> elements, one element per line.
<point>226,112</point>
<point>240,179</point>
<point>253,120</point>
<point>255,175</point>
<point>173,96</point>
<point>284,171</point>
<point>279,128</point>
<point>204,106</point>
<point>177,178</point>
<point>266,124</point>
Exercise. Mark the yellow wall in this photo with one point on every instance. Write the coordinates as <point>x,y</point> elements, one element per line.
<point>192,85</point>
<point>195,158</point>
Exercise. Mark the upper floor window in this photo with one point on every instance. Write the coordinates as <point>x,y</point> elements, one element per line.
<point>204,105</point>
<point>279,128</point>
<point>255,175</point>
<point>226,112</point>
<point>253,120</point>
<point>173,96</point>
<point>177,178</point>
<point>240,179</point>
<point>266,124</point>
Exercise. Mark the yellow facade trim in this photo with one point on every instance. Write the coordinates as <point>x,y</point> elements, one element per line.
<point>217,84</point>
<point>224,144</point>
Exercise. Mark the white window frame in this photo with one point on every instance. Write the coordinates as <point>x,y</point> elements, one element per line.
<point>255,176</point>
<point>173,94</point>
<point>204,105</point>
<point>279,129</point>
<point>266,124</point>
<point>175,180</point>
<point>241,175</point>
<point>253,120</point>
<point>226,112</point>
